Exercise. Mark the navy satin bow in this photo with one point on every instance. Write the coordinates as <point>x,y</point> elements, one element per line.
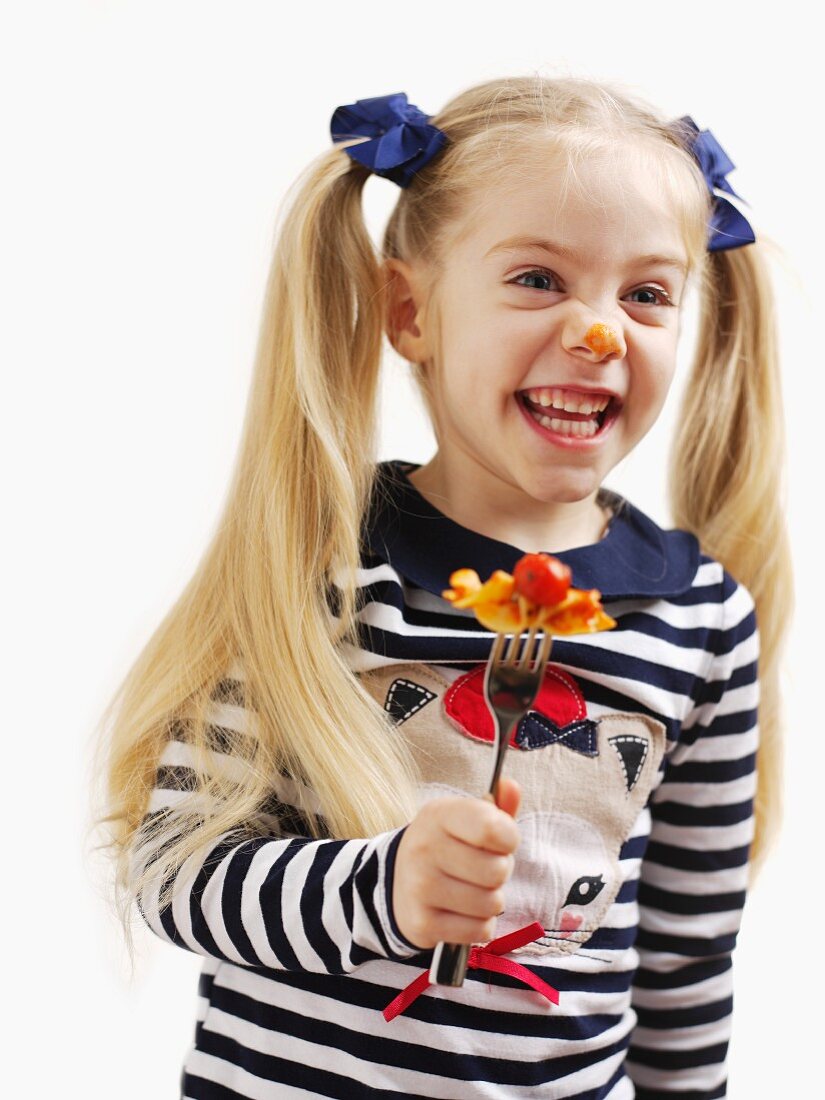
<point>403,140</point>
<point>728,228</point>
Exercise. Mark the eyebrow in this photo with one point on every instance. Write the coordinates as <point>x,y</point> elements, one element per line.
<point>513,244</point>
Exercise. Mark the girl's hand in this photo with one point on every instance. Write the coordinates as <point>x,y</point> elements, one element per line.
<point>452,862</point>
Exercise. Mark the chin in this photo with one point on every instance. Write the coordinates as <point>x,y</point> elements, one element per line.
<point>555,489</point>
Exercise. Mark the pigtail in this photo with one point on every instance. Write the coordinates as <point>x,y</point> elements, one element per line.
<point>312,420</point>
<point>273,602</point>
<point>727,480</point>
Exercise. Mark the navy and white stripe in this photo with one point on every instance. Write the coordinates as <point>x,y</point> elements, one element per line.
<point>300,948</point>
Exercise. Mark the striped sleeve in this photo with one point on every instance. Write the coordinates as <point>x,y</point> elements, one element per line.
<point>259,896</point>
<point>694,875</point>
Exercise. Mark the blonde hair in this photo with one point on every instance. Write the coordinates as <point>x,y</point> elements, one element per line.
<point>727,483</point>
<point>275,592</point>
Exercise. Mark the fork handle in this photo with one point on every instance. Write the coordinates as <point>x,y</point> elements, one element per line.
<point>449,965</point>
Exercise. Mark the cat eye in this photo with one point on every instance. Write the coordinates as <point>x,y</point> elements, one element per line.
<point>584,890</point>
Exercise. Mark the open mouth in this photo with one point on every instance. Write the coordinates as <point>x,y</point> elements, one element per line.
<point>573,424</point>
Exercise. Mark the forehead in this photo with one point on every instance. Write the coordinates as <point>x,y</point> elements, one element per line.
<point>601,208</point>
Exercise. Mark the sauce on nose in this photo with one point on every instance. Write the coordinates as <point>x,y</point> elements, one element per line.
<point>601,339</point>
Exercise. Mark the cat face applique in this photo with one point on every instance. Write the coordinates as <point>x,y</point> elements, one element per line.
<point>584,782</point>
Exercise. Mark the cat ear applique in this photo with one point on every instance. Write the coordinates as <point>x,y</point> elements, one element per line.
<point>632,752</point>
<point>405,698</point>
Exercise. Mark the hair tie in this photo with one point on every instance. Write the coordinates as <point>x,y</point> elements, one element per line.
<point>403,140</point>
<point>728,227</point>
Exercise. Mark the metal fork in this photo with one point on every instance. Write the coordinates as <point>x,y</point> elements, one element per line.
<point>510,689</point>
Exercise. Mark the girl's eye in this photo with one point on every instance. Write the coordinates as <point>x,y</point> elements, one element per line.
<point>664,298</point>
<point>534,275</point>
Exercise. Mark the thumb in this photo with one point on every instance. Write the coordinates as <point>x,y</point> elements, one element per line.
<point>509,795</point>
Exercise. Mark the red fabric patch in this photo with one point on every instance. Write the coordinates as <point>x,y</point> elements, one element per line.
<point>559,698</point>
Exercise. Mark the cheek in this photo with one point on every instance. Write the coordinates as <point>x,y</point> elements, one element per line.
<point>484,360</point>
<point>660,377</point>
<point>659,365</point>
<point>650,390</point>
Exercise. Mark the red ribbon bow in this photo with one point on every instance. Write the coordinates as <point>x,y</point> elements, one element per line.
<point>486,957</point>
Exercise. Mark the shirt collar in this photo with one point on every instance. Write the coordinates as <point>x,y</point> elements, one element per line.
<point>635,559</point>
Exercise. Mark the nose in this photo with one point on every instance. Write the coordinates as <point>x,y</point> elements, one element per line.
<point>600,341</point>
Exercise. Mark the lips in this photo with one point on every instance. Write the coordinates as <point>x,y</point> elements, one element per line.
<point>608,413</point>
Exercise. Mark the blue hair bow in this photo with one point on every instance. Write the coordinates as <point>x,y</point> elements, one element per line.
<point>728,228</point>
<point>402,138</point>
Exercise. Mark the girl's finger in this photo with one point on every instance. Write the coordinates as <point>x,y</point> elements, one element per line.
<point>474,865</point>
<point>465,900</point>
<point>481,824</point>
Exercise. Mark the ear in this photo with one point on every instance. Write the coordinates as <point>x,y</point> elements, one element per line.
<point>405,311</point>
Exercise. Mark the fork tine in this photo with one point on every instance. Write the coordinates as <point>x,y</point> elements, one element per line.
<point>498,648</point>
<point>533,650</point>
<point>527,652</point>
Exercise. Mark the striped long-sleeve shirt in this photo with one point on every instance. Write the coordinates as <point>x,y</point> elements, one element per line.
<point>637,765</point>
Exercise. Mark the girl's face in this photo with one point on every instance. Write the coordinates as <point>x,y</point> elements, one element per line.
<point>528,275</point>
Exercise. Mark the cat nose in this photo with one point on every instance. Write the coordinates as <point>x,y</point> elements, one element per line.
<point>570,922</point>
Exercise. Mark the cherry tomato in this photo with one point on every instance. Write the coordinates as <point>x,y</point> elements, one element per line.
<point>542,578</point>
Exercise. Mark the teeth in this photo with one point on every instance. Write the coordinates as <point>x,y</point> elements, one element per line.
<point>567,400</point>
<point>585,428</point>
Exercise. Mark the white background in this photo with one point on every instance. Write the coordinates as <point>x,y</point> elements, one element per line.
<point>147,146</point>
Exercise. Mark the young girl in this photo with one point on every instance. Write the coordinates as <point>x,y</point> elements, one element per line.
<point>298,757</point>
